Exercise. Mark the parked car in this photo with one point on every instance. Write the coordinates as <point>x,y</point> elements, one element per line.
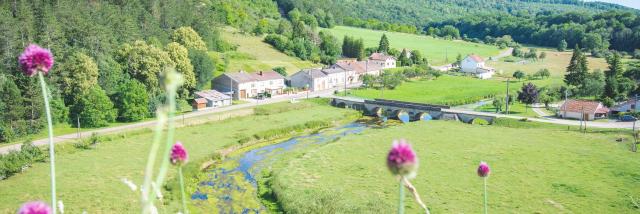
<point>627,118</point>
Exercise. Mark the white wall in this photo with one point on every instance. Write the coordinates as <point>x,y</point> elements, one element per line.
<point>468,65</point>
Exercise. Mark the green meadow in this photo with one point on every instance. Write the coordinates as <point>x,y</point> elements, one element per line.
<point>91,180</point>
<point>446,90</point>
<point>437,51</point>
<point>535,168</point>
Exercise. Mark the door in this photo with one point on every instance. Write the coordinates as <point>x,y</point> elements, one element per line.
<point>243,94</point>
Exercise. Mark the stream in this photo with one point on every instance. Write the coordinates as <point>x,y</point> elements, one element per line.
<point>232,188</point>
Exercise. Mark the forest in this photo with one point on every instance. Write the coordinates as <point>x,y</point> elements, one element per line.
<point>109,55</point>
<point>592,25</point>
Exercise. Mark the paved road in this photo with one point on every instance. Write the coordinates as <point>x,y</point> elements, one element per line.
<point>129,127</point>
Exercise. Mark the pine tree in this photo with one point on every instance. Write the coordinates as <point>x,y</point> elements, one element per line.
<point>403,59</point>
<point>383,47</point>
<point>577,69</point>
<point>612,76</point>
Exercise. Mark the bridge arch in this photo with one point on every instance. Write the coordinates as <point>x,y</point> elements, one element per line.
<point>423,116</point>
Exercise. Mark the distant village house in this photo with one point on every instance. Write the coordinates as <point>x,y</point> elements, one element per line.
<point>243,85</point>
<point>321,79</point>
<point>631,105</point>
<point>383,60</point>
<point>474,64</point>
<point>583,109</point>
<point>210,99</point>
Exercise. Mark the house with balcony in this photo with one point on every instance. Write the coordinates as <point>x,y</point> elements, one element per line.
<point>244,85</point>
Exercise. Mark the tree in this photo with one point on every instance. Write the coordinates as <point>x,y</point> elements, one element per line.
<point>450,32</point>
<point>383,46</point>
<point>612,77</point>
<point>417,58</point>
<point>132,101</point>
<point>368,80</point>
<point>329,47</point>
<point>577,69</point>
<point>77,74</point>
<point>403,59</point>
<point>180,57</point>
<point>562,46</point>
<point>353,48</point>
<point>203,67</point>
<point>594,84</point>
<point>458,61</point>
<point>94,108</point>
<point>144,63</point>
<point>188,38</point>
<point>543,73</point>
<point>281,70</point>
<point>498,103</point>
<point>543,55</point>
<point>528,94</point>
<point>518,74</point>
<point>545,97</point>
<point>12,111</point>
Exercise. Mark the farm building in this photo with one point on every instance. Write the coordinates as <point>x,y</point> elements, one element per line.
<point>383,60</point>
<point>245,85</point>
<point>583,109</point>
<point>474,64</point>
<point>630,105</point>
<point>210,99</point>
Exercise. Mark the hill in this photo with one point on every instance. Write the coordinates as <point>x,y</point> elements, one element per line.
<point>437,51</point>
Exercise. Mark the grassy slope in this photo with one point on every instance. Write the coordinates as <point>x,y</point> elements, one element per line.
<point>534,170</point>
<point>254,55</point>
<point>436,50</point>
<point>90,180</point>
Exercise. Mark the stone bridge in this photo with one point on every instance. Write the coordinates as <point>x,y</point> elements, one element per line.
<point>408,111</point>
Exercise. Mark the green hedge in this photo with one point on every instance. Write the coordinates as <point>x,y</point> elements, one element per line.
<point>480,121</point>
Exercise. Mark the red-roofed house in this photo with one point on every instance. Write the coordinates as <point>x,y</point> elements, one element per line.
<point>474,64</point>
<point>384,60</point>
<point>583,109</point>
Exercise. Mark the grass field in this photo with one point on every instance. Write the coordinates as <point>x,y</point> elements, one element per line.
<point>254,55</point>
<point>534,170</point>
<point>448,90</point>
<point>90,180</point>
<point>436,50</point>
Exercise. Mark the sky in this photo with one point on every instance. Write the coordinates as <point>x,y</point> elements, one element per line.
<point>629,3</point>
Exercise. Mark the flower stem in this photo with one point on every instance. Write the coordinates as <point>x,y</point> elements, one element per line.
<point>171,97</point>
<point>401,200</point>
<point>146,188</point>
<point>485,195</point>
<point>184,199</point>
<point>45,95</point>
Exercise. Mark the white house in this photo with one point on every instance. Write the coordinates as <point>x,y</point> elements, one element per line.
<point>383,60</point>
<point>474,64</point>
<point>246,85</point>
<point>210,99</point>
<point>315,79</point>
<point>583,109</point>
<point>321,79</point>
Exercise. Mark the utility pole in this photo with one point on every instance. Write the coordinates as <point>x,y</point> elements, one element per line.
<point>507,98</point>
<point>564,106</point>
<point>345,83</point>
<point>78,125</point>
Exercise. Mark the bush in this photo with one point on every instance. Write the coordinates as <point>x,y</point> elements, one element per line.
<point>17,161</point>
<point>479,121</point>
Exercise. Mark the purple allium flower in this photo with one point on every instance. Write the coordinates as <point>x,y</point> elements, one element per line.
<point>178,154</point>
<point>402,160</point>
<point>483,169</point>
<point>35,58</point>
<point>34,207</point>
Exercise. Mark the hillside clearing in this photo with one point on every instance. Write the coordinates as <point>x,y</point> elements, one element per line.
<point>437,51</point>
